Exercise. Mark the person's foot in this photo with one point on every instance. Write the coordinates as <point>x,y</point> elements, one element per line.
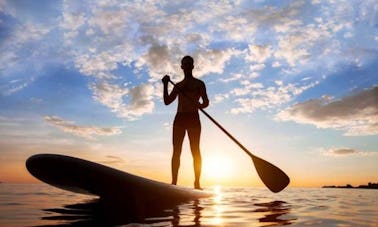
<point>197,186</point>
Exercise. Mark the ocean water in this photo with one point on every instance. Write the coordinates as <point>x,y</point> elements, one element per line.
<point>44,205</point>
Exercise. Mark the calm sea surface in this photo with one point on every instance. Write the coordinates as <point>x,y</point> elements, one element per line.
<point>43,205</point>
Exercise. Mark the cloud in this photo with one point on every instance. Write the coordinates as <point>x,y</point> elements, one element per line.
<point>141,101</point>
<point>314,43</point>
<point>15,86</point>
<point>24,54</point>
<point>233,77</point>
<point>220,97</point>
<point>258,53</point>
<point>257,67</point>
<point>287,25</point>
<point>269,16</point>
<point>257,96</point>
<point>109,21</point>
<point>29,32</point>
<point>71,22</point>
<point>356,114</point>
<point>4,8</point>
<point>167,126</point>
<point>128,103</point>
<point>291,49</point>
<point>343,152</point>
<point>212,61</point>
<point>237,28</point>
<point>110,95</point>
<point>98,65</point>
<point>21,36</point>
<point>113,160</point>
<point>300,43</point>
<point>247,89</point>
<point>78,130</point>
<point>160,60</point>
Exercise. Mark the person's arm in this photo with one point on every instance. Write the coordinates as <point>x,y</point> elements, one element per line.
<point>168,98</point>
<point>205,99</point>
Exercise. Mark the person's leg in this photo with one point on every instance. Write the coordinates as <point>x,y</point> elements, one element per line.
<point>194,139</point>
<point>178,137</point>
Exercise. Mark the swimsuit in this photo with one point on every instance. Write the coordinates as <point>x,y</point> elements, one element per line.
<point>187,120</point>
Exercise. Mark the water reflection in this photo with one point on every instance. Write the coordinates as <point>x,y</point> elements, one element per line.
<point>225,208</point>
<point>101,213</point>
<point>274,213</point>
<point>193,218</point>
<point>98,213</point>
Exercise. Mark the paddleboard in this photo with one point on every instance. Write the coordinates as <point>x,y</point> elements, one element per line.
<point>82,176</point>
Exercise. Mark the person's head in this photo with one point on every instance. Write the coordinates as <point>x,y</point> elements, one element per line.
<point>187,63</point>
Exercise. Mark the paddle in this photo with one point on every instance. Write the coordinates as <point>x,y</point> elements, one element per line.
<point>272,176</point>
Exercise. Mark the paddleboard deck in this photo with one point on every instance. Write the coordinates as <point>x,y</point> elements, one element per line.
<point>82,176</point>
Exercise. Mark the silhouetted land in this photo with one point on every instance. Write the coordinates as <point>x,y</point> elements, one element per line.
<point>368,186</point>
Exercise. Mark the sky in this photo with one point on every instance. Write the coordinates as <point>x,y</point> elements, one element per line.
<point>294,81</point>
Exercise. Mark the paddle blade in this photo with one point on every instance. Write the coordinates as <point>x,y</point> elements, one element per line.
<point>272,176</point>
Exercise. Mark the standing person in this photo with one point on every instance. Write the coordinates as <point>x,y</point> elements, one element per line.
<point>189,92</point>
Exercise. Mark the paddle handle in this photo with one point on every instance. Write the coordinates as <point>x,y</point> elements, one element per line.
<point>217,124</point>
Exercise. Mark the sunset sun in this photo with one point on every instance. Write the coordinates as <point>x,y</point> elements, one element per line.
<point>218,168</point>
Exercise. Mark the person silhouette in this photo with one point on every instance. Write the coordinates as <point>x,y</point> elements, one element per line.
<point>189,92</point>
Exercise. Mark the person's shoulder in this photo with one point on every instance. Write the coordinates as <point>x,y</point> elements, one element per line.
<point>180,83</point>
<point>199,82</point>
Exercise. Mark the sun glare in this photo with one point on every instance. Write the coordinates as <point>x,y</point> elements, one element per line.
<point>218,168</point>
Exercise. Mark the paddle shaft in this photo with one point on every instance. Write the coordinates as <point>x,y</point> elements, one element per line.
<point>217,124</point>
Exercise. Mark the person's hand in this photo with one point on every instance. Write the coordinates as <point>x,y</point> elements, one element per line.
<point>166,79</point>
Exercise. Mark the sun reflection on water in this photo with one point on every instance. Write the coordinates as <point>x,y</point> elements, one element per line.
<point>217,206</point>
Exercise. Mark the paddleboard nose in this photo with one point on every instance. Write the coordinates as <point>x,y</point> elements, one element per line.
<point>46,167</point>
<point>37,166</point>
<point>32,164</point>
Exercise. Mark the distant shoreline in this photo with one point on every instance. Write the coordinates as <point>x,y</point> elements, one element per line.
<point>368,186</point>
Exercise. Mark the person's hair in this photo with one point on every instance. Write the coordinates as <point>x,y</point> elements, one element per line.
<point>187,57</point>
